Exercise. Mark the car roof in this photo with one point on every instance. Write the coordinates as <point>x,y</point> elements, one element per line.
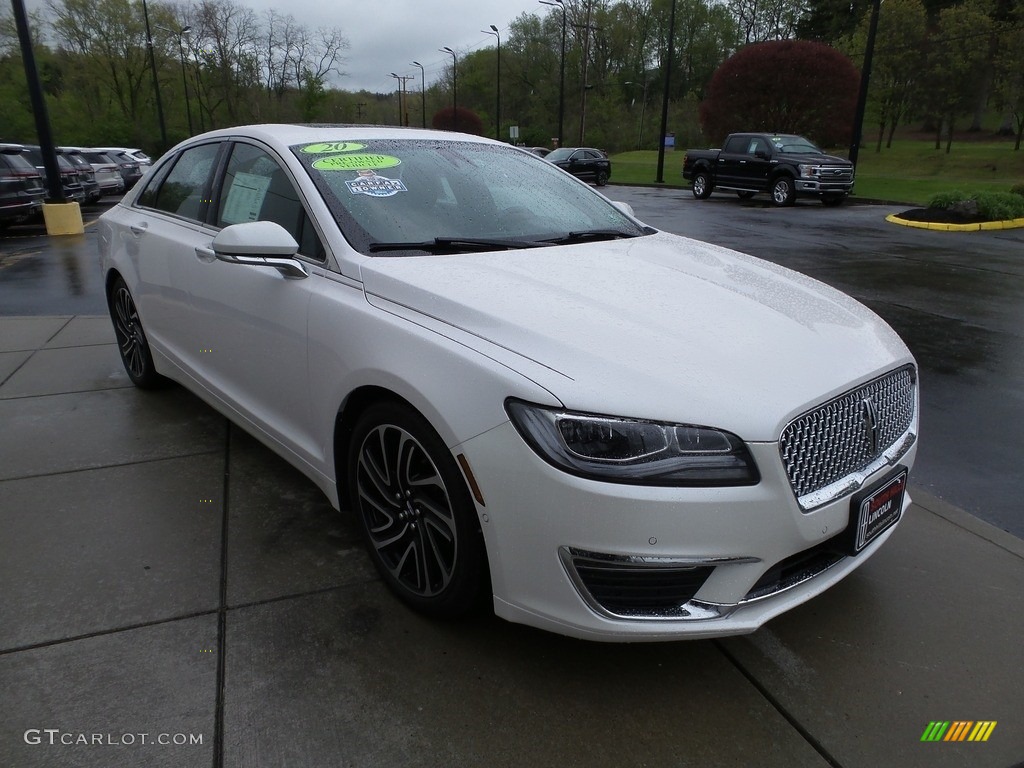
<point>290,134</point>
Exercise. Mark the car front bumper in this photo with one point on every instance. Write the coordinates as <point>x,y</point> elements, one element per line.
<point>536,519</point>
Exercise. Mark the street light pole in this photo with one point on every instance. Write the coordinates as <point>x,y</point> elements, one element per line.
<point>401,95</point>
<point>455,87</point>
<point>497,112</point>
<point>561,71</point>
<point>643,111</point>
<point>156,81</point>
<point>664,98</point>
<point>423,91</point>
<point>184,80</point>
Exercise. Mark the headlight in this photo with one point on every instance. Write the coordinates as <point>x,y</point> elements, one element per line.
<point>622,450</point>
<point>809,171</point>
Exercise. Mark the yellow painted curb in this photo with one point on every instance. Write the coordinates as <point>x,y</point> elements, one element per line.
<point>984,225</point>
<point>63,219</point>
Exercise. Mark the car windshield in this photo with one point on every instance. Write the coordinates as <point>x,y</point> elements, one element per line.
<point>562,153</point>
<point>795,145</point>
<point>409,197</point>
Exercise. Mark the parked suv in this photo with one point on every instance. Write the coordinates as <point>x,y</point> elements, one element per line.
<point>21,186</point>
<point>86,174</point>
<point>131,170</point>
<point>583,163</point>
<point>69,178</point>
<point>108,172</point>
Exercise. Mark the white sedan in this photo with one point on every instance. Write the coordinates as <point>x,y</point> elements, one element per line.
<point>525,395</point>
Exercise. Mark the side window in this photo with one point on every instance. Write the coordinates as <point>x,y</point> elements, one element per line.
<point>256,188</point>
<point>185,190</point>
<point>735,145</point>
<point>757,145</point>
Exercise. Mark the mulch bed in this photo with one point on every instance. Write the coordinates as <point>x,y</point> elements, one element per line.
<point>941,216</point>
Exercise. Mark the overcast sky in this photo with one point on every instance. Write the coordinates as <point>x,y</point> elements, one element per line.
<point>386,35</point>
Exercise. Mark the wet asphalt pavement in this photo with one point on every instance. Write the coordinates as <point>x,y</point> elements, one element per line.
<point>956,298</point>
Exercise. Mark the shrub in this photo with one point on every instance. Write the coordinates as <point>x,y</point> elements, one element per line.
<point>1017,189</point>
<point>992,206</point>
<point>947,199</point>
<point>1000,206</point>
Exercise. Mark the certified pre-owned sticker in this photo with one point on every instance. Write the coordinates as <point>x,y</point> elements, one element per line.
<point>357,162</point>
<point>328,147</point>
<point>369,183</point>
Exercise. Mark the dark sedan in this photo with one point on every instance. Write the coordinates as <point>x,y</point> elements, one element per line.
<point>583,163</point>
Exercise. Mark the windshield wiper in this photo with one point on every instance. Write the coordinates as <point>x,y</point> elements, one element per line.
<point>456,245</point>
<point>589,235</point>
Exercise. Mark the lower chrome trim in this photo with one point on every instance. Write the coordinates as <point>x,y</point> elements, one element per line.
<point>693,610</point>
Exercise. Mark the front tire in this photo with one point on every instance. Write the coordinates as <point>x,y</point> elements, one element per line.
<point>702,187</point>
<point>783,191</point>
<point>131,339</point>
<point>416,514</point>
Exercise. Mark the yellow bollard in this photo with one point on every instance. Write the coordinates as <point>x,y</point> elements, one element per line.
<point>63,219</point>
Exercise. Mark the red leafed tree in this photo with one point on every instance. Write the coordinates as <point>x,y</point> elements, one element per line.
<point>783,86</point>
<point>468,122</point>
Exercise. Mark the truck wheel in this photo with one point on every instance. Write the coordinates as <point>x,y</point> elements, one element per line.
<point>783,192</point>
<point>702,187</point>
<point>832,200</point>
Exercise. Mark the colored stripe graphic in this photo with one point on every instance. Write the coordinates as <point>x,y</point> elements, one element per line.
<point>958,730</point>
<point>982,730</point>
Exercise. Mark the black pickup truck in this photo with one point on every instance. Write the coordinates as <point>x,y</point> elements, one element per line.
<point>783,165</point>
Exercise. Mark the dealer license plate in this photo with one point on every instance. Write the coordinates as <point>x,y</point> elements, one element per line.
<point>877,509</point>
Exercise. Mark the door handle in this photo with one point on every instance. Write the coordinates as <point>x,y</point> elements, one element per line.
<point>139,227</point>
<point>205,255</point>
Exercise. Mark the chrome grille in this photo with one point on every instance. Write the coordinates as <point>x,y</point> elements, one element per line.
<point>847,434</point>
<point>835,173</point>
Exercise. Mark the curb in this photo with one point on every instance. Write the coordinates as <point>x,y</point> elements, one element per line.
<point>984,225</point>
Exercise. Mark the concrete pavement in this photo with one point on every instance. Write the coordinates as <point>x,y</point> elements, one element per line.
<point>164,578</point>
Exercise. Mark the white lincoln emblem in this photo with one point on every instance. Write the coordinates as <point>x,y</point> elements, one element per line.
<point>869,414</point>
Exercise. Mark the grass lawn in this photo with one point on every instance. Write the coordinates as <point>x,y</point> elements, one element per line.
<point>910,172</point>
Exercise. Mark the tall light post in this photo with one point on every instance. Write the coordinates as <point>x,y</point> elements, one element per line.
<point>664,98</point>
<point>184,80</point>
<point>423,91</point>
<point>455,87</point>
<point>497,112</point>
<point>643,111</point>
<point>561,70</point>
<point>156,81</point>
<point>401,95</point>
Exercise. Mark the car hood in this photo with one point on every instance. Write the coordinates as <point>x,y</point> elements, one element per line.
<point>816,159</point>
<point>658,327</point>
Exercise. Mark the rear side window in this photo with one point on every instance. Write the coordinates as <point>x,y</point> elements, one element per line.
<point>737,144</point>
<point>185,190</point>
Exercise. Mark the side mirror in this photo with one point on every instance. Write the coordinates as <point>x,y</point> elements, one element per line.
<point>260,244</point>
<point>626,208</point>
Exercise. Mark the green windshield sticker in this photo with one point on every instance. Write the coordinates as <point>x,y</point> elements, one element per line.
<point>327,147</point>
<point>355,162</point>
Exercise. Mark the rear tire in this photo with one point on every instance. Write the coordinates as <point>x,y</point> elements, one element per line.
<point>602,178</point>
<point>702,187</point>
<point>131,339</point>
